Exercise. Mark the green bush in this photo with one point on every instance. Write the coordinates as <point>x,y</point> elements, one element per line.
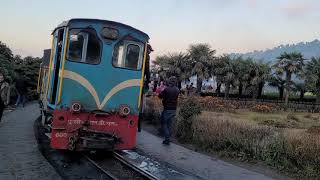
<point>152,110</point>
<point>7,68</point>
<point>188,109</point>
<point>28,68</point>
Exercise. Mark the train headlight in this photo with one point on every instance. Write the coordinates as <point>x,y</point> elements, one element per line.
<point>76,107</point>
<point>124,110</point>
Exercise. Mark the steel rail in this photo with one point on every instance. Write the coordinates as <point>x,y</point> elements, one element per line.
<point>93,162</point>
<point>110,175</point>
<point>134,167</point>
<point>123,160</point>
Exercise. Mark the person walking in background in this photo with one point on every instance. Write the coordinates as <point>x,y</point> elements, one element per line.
<point>150,88</point>
<point>169,98</point>
<point>21,91</point>
<point>160,88</point>
<point>4,94</point>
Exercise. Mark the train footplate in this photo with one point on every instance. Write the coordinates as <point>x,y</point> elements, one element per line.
<point>97,140</point>
<point>94,143</point>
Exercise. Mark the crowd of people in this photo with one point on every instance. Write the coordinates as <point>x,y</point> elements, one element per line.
<point>155,88</point>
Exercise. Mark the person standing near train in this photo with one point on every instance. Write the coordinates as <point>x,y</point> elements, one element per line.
<point>4,94</point>
<point>21,88</point>
<point>169,98</point>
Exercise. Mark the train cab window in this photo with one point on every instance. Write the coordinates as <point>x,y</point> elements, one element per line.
<point>128,55</point>
<point>76,41</point>
<point>93,50</point>
<point>132,56</point>
<point>118,55</point>
<point>84,46</point>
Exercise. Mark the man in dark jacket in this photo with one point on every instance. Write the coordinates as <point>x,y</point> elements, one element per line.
<point>169,98</point>
<point>22,91</point>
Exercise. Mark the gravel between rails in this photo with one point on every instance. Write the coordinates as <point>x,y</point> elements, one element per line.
<point>121,171</point>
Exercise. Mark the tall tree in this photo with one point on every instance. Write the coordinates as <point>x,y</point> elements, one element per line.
<point>225,69</point>
<point>28,69</point>
<point>289,64</point>
<point>301,88</point>
<point>201,57</point>
<point>7,68</point>
<point>261,73</point>
<point>218,71</point>
<point>300,85</point>
<point>243,73</point>
<point>6,51</point>
<point>279,82</point>
<point>6,63</point>
<point>313,76</point>
<point>176,64</point>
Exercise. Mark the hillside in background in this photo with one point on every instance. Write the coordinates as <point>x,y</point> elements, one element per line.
<point>308,49</point>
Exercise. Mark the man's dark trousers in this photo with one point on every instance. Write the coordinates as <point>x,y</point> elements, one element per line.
<point>167,117</point>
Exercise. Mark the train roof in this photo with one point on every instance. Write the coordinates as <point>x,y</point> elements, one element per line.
<point>66,23</point>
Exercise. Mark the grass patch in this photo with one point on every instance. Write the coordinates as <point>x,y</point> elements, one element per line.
<point>288,141</point>
<point>297,120</point>
<point>292,150</point>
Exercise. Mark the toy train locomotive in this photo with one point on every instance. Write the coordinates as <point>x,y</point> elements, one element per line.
<point>90,92</point>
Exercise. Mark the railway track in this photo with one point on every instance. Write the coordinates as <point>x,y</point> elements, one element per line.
<point>116,167</point>
<point>122,168</point>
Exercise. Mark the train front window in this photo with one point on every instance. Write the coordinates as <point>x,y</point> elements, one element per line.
<point>132,56</point>
<point>76,42</point>
<point>118,56</point>
<point>84,46</point>
<point>93,50</point>
<point>128,55</point>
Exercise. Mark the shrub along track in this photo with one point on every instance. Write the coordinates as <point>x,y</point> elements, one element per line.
<point>75,165</point>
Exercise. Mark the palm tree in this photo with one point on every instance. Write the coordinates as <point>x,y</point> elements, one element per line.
<point>313,76</point>
<point>289,63</point>
<point>251,75</point>
<point>261,75</point>
<point>301,88</point>
<point>175,64</point>
<point>243,72</point>
<point>225,69</point>
<point>201,57</point>
<point>277,81</point>
<point>300,85</point>
<point>218,70</point>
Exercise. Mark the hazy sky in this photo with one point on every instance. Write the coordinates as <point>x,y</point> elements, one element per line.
<point>227,25</point>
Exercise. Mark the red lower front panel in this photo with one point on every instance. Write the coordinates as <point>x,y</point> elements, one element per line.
<point>68,128</point>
